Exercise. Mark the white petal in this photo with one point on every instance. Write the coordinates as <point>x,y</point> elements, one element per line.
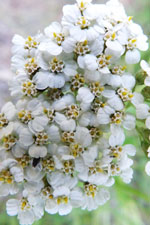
<point>33,174</point>
<point>132,56</point>
<point>128,81</point>
<point>137,99</point>
<point>62,103</point>
<point>71,13</point>
<point>147,122</point>
<point>103,196</point>
<point>9,110</point>
<point>76,197</point>
<point>127,175</point>
<point>69,44</point>
<point>26,137</point>
<point>142,111</point>
<point>147,168</point>
<point>83,137</point>
<point>90,61</point>
<point>59,117</point>
<point>68,125</point>
<point>12,207</point>
<point>97,46</point>
<point>103,117</point>
<point>115,81</point>
<point>116,103</point>
<point>54,27</point>
<point>108,93</point>
<point>42,80</point>
<point>85,95</point>
<point>37,151</point>
<point>145,66</point>
<point>78,34</point>
<point>7,130</point>
<point>26,217</point>
<point>129,149</point>
<point>53,132</point>
<point>51,207</point>
<point>117,137</point>
<point>115,46</point>
<point>147,81</point>
<point>18,40</point>
<point>56,81</point>
<point>38,124</point>
<point>81,62</point>
<point>65,209</point>
<point>17,173</point>
<point>60,191</point>
<point>51,47</point>
<point>98,179</point>
<point>90,155</point>
<point>129,122</point>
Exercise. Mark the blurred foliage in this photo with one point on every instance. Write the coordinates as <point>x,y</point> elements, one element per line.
<point>129,204</point>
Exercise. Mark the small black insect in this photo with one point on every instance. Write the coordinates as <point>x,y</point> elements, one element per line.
<point>35,162</point>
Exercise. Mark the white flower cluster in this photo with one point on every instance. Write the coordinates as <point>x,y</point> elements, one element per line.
<point>63,142</point>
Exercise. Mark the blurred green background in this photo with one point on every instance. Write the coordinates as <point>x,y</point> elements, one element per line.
<point>129,204</point>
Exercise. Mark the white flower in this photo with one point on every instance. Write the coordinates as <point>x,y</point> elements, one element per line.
<point>83,48</point>
<point>90,169</point>
<point>24,65</point>
<point>10,176</point>
<point>26,209</point>
<point>63,200</point>
<point>55,35</point>
<point>65,124</point>
<point>146,68</point>
<point>63,102</point>
<point>108,115</point>
<point>55,71</point>
<point>23,46</point>
<point>57,179</point>
<point>94,197</point>
<point>21,86</point>
<point>31,113</point>
<point>116,10</point>
<point>9,111</point>
<point>136,41</point>
<point>26,138</point>
<point>82,4</point>
<point>63,140</point>
<point>79,24</point>
<point>125,81</point>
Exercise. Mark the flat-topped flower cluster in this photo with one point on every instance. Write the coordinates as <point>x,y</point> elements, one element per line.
<point>62,141</point>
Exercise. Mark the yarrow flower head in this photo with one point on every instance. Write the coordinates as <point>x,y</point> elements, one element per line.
<point>63,139</point>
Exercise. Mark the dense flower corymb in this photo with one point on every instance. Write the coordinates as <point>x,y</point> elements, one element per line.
<point>63,140</point>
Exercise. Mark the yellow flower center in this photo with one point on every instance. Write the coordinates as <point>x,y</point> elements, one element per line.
<point>90,190</point>
<point>6,177</point>
<point>3,120</point>
<point>31,43</point>
<point>25,116</point>
<point>29,89</point>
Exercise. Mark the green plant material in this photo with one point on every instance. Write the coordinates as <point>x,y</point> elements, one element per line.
<point>146,93</point>
<point>140,77</point>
